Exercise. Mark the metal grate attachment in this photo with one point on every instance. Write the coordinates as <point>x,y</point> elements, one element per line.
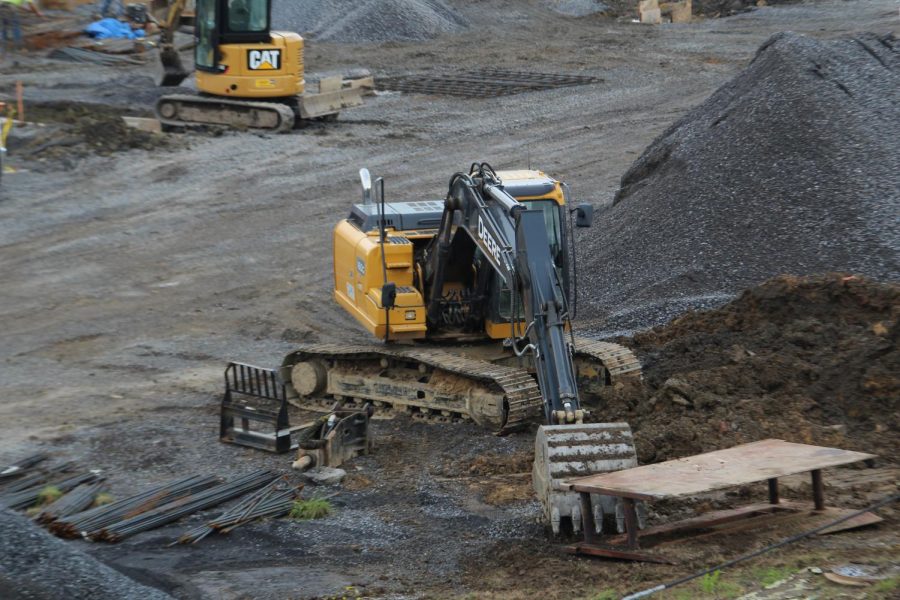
<point>481,83</point>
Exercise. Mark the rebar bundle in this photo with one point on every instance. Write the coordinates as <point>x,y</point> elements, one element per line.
<point>74,502</point>
<point>185,506</point>
<point>27,497</point>
<point>97,518</point>
<point>269,502</point>
<point>21,467</point>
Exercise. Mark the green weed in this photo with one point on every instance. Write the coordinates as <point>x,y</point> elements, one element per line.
<point>312,508</point>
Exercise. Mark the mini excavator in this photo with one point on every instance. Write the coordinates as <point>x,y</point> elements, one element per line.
<point>248,76</point>
<point>471,299</point>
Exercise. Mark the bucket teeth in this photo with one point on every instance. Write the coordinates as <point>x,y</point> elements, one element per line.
<point>564,452</point>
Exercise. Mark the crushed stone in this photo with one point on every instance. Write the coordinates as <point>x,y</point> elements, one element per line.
<point>354,21</point>
<point>791,167</point>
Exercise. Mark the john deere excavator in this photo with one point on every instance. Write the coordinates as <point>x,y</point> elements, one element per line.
<point>471,299</point>
<point>247,75</point>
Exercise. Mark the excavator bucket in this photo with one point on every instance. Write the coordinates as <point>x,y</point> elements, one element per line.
<point>564,452</point>
<point>173,70</point>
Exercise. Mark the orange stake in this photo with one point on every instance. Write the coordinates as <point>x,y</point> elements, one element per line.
<point>21,104</point>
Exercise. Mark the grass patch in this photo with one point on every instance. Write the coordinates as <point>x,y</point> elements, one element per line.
<point>768,575</point>
<point>606,595</point>
<point>49,495</point>
<point>313,508</point>
<point>884,587</point>
<point>103,498</point>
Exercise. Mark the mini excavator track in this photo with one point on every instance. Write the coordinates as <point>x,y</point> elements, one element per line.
<point>188,111</point>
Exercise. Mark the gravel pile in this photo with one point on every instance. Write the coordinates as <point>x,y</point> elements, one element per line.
<point>36,565</point>
<point>791,167</point>
<point>355,21</point>
<point>578,8</point>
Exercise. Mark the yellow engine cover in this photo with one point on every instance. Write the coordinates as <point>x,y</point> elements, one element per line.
<point>359,276</point>
<point>273,70</point>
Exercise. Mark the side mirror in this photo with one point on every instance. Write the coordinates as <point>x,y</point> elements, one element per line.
<point>584,215</point>
<point>366,180</point>
<point>389,295</point>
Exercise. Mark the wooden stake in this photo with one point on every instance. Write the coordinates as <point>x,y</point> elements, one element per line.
<point>21,104</point>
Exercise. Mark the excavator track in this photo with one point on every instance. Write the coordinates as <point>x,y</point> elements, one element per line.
<point>620,362</point>
<point>186,111</point>
<point>427,382</point>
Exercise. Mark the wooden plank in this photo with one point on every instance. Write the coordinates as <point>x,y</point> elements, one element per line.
<point>741,465</point>
<point>612,552</point>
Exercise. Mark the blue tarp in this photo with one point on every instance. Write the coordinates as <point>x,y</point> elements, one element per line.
<point>105,29</point>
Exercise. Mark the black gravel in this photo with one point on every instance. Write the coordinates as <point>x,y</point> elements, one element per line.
<point>791,167</point>
<point>35,565</point>
<point>365,21</point>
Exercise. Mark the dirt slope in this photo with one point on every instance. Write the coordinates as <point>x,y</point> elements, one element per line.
<point>811,360</point>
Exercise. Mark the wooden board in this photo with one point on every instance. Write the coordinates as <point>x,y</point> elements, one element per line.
<point>748,463</point>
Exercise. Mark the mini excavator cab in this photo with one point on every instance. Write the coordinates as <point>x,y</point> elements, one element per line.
<point>237,54</point>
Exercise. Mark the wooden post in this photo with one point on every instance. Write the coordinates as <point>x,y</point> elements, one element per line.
<point>587,518</point>
<point>20,102</point>
<point>818,489</point>
<point>631,523</point>
<point>773,491</point>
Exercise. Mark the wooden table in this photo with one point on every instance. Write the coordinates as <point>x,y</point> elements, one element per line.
<point>766,460</point>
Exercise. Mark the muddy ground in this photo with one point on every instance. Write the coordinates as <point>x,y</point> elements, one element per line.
<point>130,279</point>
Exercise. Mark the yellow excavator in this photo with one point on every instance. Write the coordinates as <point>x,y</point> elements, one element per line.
<point>247,75</point>
<point>471,299</point>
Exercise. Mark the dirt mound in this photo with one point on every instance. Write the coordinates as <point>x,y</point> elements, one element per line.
<point>792,167</point>
<point>813,360</point>
<point>353,21</point>
<point>77,130</point>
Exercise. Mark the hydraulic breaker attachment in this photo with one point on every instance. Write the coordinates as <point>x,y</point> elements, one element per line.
<point>334,438</point>
<point>564,452</point>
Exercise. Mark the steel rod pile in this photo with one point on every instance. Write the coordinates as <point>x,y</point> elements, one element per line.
<point>175,510</point>
<point>28,497</point>
<point>95,519</point>
<point>269,502</point>
<point>74,502</point>
<point>21,467</point>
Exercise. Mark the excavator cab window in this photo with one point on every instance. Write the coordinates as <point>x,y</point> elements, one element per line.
<point>248,16</point>
<point>206,35</point>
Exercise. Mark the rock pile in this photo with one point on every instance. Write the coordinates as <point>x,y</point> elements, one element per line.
<point>791,167</point>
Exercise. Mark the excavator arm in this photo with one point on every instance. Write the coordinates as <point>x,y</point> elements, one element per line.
<point>173,69</point>
<point>515,243</point>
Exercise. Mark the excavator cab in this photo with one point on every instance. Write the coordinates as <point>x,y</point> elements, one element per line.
<point>237,54</point>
